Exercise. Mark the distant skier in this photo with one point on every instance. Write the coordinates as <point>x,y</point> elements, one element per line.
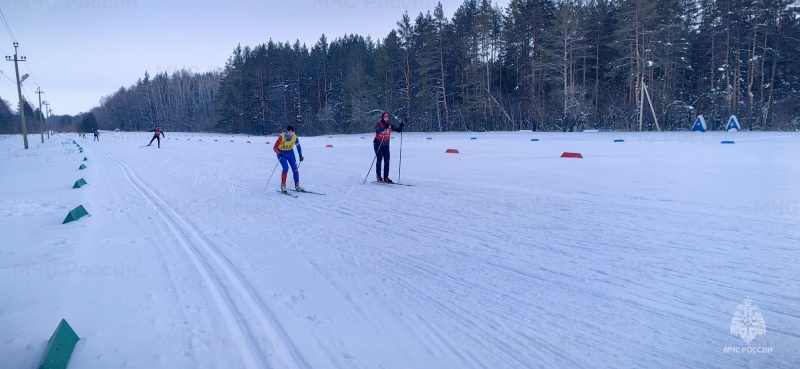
<point>157,136</point>
<point>383,134</point>
<point>284,148</point>
<point>96,135</point>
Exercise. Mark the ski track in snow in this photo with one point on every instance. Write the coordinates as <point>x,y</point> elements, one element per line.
<point>516,293</point>
<point>576,264</point>
<point>397,271</point>
<point>188,235</point>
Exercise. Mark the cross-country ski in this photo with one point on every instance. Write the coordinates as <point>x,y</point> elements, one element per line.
<point>307,191</point>
<point>393,183</point>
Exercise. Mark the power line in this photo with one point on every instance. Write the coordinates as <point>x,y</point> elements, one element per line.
<point>30,72</point>
<point>16,52</point>
<point>24,91</point>
<point>13,38</point>
<point>5,23</point>
<point>27,98</point>
<point>5,75</point>
<point>7,27</point>
<point>27,65</point>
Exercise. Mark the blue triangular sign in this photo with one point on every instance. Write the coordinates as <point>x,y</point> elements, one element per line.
<point>699,124</point>
<point>733,125</point>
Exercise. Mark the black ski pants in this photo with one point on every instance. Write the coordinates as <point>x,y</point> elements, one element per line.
<point>155,138</point>
<point>381,153</point>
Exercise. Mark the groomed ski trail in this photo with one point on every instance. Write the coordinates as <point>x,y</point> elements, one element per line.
<point>285,353</point>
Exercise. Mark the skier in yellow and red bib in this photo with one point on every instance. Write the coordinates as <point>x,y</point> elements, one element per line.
<point>284,148</point>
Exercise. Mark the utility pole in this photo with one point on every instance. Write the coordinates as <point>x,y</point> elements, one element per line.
<point>49,111</point>
<point>41,125</point>
<point>46,118</point>
<point>19,92</point>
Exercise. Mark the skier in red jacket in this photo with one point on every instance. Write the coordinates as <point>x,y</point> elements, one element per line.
<point>383,134</point>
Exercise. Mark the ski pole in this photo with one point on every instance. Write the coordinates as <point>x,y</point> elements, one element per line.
<point>373,161</point>
<point>270,176</point>
<point>399,166</point>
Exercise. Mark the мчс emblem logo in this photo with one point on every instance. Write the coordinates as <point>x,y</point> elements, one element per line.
<point>747,321</point>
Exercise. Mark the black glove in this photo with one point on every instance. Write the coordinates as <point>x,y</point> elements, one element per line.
<point>402,126</point>
<point>280,155</point>
<point>301,157</point>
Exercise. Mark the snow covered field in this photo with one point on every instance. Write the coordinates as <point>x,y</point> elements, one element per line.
<point>502,256</point>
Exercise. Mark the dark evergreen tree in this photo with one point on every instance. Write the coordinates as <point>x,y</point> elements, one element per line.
<point>88,123</point>
<point>537,64</point>
<point>7,119</point>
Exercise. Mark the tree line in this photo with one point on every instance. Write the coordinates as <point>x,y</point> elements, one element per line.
<point>36,121</point>
<point>536,64</point>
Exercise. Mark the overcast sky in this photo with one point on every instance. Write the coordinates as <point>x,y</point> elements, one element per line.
<point>81,50</point>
